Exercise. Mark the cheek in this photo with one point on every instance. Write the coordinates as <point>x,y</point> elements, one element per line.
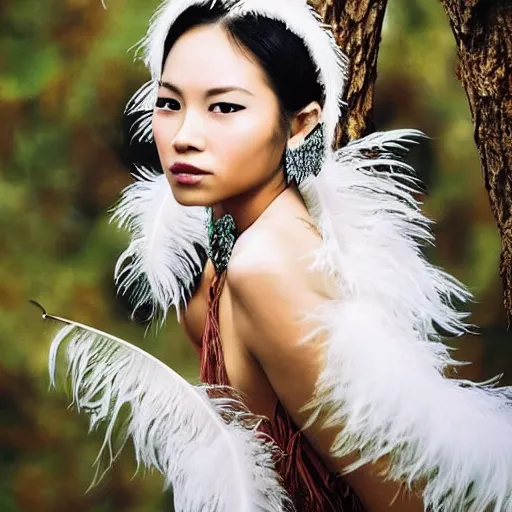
<point>162,132</point>
<point>251,145</point>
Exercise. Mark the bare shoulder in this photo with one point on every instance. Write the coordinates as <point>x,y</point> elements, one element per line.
<point>272,287</point>
<point>280,250</point>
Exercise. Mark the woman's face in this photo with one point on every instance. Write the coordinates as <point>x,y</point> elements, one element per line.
<point>215,111</point>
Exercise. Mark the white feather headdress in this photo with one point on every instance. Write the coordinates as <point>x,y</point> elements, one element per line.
<point>299,18</point>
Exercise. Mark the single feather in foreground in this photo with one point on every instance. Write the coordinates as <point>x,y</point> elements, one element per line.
<point>202,439</point>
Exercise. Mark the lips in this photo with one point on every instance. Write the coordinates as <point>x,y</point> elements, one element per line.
<point>181,168</point>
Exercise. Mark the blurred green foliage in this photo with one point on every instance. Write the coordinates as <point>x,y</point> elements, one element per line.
<point>65,77</point>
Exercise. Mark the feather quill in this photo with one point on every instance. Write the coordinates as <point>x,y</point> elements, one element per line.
<point>383,382</point>
<point>167,251</point>
<point>202,439</point>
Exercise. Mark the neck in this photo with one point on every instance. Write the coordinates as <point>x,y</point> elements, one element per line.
<point>247,207</point>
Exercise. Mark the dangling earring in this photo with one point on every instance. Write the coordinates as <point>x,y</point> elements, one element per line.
<point>307,159</point>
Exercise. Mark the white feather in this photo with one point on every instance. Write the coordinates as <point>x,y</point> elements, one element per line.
<point>206,447</point>
<point>383,382</point>
<point>163,259</point>
<point>452,436</point>
<point>374,231</point>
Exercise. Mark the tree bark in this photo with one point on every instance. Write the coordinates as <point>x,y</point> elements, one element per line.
<point>483,33</point>
<point>357,27</point>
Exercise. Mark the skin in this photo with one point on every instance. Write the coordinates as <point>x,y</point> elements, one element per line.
<point>268,281</point>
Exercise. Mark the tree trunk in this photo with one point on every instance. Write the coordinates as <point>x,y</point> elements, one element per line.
<point>357,26</point>
<point>483,33</point>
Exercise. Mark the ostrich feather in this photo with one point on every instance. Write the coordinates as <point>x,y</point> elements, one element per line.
<point>168,244</point>
<point>202,439</point>
<point>383,382</point>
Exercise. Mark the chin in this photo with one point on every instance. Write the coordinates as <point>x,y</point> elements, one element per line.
<point>191,198</point>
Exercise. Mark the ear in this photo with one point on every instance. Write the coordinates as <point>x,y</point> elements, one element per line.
<point>303,123</point>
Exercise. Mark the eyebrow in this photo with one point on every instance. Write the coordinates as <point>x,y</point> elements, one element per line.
<point>210,92</point>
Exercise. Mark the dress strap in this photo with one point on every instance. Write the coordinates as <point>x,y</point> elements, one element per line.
<point>213,369</point>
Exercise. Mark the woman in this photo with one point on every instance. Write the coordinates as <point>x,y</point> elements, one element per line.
<point>314,304</point>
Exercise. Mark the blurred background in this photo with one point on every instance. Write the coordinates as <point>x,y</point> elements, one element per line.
<point>66,74</point>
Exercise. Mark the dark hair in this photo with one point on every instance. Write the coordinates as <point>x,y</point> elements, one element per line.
<point>282,54</point>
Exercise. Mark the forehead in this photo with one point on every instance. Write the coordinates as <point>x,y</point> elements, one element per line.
<point>206,55</point>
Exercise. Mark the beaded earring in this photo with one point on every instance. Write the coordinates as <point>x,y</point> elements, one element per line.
<point>307,159</point>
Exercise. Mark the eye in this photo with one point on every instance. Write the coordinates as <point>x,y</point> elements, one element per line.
<point>225,108</point>
<point>167,104</point>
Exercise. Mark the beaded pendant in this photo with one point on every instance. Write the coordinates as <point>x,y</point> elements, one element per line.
<point>222,235</point>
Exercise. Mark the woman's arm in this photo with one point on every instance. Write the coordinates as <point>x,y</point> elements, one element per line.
<point>271,290</point>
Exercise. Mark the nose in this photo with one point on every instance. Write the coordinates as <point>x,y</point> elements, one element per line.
<point>190,136</point>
